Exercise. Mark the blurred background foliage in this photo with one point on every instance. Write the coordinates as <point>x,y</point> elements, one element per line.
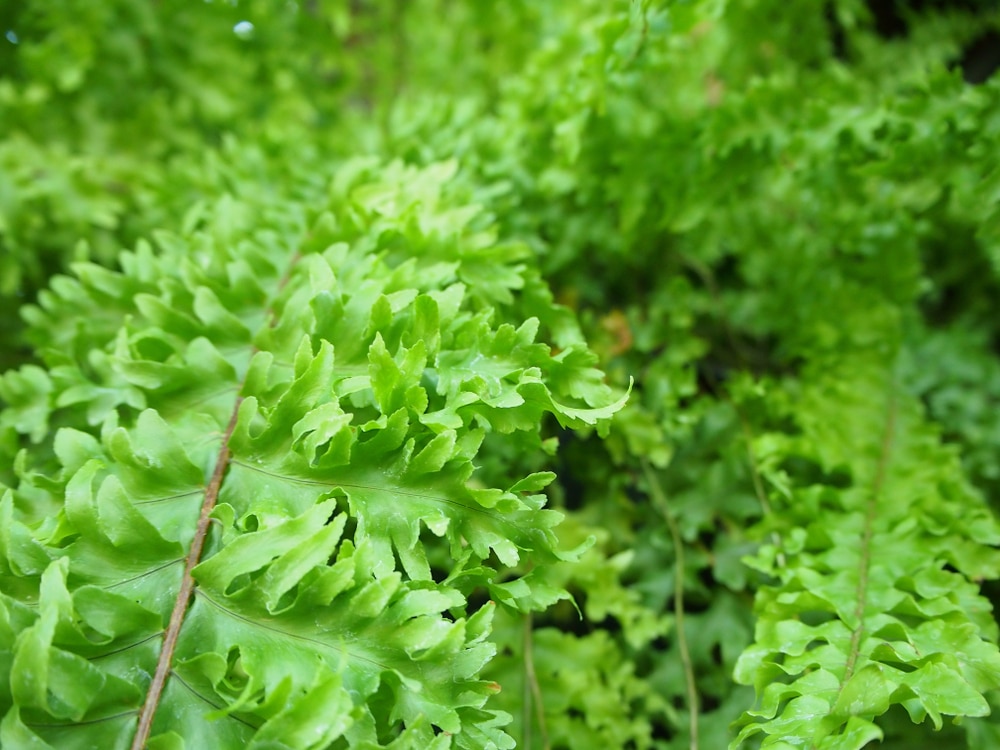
<point>732,199</point>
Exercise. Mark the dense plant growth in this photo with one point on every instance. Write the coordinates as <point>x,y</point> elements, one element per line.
<point>554,375</point>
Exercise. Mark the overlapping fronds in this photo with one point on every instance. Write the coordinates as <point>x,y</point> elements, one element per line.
<point>325,461</point>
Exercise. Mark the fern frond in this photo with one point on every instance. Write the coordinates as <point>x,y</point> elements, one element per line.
<point>875,602</point>
<point>264,435</point>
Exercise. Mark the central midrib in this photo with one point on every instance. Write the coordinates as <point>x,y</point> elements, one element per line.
<point>186,589</point>
<point>866,541</point>
<point>871,511</point>
<point>173,630</point>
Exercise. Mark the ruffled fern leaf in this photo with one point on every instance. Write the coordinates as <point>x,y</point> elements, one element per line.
<point>875,603</point>
<point>267,443</point>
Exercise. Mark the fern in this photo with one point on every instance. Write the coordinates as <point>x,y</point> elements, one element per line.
<point>327,458</point>
<point>238,549</point>
<point>872,605</point>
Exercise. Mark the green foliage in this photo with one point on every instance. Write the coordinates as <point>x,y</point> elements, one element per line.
<point>880,536</point>
<point>357,389</point>
<point>329,459</point>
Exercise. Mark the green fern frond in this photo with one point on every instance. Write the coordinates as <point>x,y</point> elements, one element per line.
<point>875,602</point>
<point>227,542</point>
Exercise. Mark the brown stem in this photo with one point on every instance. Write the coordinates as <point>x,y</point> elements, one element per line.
<point>173,631</point>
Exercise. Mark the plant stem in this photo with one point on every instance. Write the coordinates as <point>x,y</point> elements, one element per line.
<point>866,541</point>
<point>871,510</point>
<point>532,690</point>
<point>660,503</point>
<point>173,630</point>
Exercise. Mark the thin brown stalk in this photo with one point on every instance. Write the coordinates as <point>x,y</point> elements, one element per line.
<point>172,633</point>
<point>661,504</point>
<point>173,630</point>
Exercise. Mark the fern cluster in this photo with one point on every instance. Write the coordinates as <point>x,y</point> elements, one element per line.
<point>483,375</point>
